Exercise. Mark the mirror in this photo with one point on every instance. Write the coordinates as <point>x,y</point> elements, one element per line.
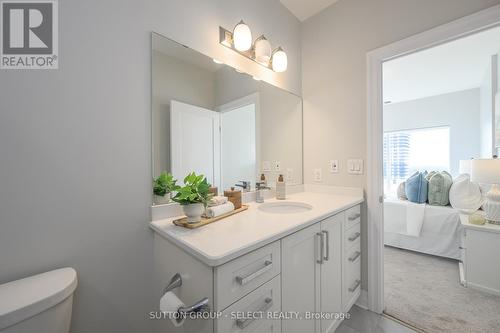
<point>209,118</point>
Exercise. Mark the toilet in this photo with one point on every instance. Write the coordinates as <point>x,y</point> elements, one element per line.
<point>38,304</point>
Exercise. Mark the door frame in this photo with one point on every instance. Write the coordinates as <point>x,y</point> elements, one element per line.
<point>253,98</point>
<point>462,27</point>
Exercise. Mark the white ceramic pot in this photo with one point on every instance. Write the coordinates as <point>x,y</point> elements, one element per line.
<point>159,200</point>
<point>193,212</point>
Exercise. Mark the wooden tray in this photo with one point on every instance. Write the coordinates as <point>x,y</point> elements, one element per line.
<point>204,221</point>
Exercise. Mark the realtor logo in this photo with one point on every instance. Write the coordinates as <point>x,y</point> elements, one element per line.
<point>29,37</point>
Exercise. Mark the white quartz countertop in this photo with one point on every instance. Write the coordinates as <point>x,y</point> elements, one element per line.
<point>219,242</point>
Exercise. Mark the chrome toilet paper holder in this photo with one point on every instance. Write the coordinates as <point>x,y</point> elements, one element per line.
<point>200,306</point>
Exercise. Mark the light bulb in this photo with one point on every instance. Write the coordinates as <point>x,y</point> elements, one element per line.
<point>262,50</point>
<point>242,37</point>
<point>279,60</point>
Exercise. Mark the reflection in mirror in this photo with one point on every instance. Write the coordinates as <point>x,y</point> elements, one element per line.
<point>213,120</point>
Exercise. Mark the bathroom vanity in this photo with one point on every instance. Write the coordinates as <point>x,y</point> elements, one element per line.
<point>292,265</point>
<point>297,259</point>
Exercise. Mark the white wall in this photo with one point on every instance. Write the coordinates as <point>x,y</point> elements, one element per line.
<point>334,47</point>
<point>458,110</point>
<point>75,146</point>
<point>486,119</point>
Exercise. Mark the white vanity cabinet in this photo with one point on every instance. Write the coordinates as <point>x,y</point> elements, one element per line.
<point>313,268</point>
<point>313,271</point>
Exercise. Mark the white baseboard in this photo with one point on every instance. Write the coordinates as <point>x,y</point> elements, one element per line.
<point>362,301</point>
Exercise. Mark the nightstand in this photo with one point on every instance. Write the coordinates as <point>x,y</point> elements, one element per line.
<point>480,256</point>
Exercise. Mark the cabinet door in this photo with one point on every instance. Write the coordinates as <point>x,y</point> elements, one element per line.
<point>331,272</point>
<point>301,278</point>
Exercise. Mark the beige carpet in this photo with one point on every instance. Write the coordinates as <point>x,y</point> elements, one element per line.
<point>424,291</point>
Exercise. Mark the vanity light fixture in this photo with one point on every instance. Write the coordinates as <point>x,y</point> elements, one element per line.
<point>242,37</point>
<point>279,60</point>
<point>240,40</point>
<point>262,49</point>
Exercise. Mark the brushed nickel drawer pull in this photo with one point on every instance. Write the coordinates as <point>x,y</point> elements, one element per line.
<point>321,247</point>
<point>355,256</point>
<point>353,217</point>
<point>355,286</point>
<point>327,241</point>
<point>243,323</point>
<point>354,237</point>
<point>245,279</point>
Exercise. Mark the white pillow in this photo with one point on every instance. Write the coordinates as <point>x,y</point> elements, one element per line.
<point>465,195</point>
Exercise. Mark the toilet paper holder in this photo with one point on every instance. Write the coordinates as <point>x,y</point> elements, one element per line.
<point>200,306</point>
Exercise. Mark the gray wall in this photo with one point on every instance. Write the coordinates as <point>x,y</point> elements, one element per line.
<point>334,47</point>
<point>458,110</point>
<point>75,175</point>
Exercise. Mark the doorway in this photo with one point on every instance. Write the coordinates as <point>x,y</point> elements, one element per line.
<point>375,186</point>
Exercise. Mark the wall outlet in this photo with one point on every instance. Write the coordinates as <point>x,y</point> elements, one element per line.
<point>289,175</point>
<point>318,175</point>
<point>277,166</point>
<point>334,166</point>
<point>266,166</point>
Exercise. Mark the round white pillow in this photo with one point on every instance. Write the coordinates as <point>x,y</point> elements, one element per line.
<point>465,195</point>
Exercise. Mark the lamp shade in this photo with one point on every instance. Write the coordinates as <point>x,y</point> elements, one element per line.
<point>242,37</point>
<point>464,166</point>
<point>262,50</point>
<point>485,171</point>
<point>279,60</point>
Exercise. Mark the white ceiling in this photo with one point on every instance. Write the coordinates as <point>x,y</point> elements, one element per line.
<point>454,66</point>
<point>303,9</point>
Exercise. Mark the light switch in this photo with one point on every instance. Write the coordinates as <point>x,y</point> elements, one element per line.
<point>318,175</point>
<point>266,166</point>
<point>277,166</point>
<point>289,175</point>
<point>355,166</point>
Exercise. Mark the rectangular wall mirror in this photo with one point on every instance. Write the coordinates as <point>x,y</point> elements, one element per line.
<point>211,119</point>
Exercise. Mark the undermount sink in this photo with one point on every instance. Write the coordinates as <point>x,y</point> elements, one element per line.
<point>285,207</point>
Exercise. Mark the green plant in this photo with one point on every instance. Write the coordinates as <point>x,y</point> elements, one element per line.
<point>195,190</point>
<point>164,184</point>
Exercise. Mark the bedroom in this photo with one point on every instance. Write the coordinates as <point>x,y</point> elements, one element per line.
<point>439,113</point>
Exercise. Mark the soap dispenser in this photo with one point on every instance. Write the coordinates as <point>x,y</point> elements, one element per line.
<point>263,180</point>
<point>280,188</point>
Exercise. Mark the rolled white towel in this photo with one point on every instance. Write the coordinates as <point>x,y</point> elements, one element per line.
<point>216,201</point>
<point>219,210</point>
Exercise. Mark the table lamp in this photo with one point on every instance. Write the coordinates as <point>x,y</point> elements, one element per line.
<point>487,171</point>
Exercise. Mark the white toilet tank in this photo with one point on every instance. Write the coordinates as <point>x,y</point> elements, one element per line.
<point>38,304</point>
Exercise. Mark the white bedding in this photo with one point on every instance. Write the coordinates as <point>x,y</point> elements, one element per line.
<point>439,234</point>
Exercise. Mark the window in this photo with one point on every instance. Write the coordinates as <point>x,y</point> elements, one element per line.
<point>414,150</point>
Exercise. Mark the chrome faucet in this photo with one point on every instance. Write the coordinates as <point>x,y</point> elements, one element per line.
<point>245,185</point>
<point>259,196</point>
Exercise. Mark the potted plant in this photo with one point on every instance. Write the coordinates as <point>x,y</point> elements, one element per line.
<point>163,186</point>
<point>193,196</point>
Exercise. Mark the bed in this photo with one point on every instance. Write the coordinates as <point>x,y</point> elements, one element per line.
<point>423,228</point>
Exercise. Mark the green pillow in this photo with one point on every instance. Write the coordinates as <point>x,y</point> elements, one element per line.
<point>439,188</point>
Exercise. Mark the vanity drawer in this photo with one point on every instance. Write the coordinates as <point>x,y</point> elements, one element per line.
<point>352,236</point>
<point>240,276</point>
<point>352,216</point>
<point>351,289</point>
<point>351,281</point>
<point>266,298</point>
<point>352,262</point>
